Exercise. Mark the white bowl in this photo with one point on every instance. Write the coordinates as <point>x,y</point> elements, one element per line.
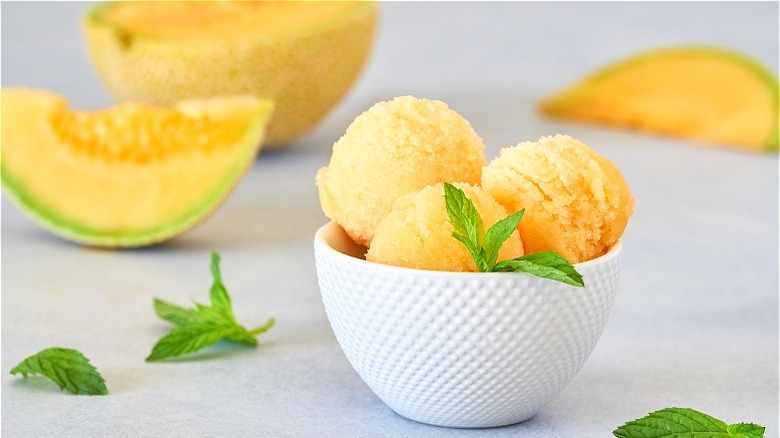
<point>461,349</point>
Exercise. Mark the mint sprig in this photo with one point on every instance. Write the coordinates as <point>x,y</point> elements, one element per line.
<point>685,423</point>
<point>203,325</point>
<point>469,229</point>
<point>66,367</point>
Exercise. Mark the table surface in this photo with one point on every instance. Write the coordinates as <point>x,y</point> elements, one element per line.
<point>696,319</point>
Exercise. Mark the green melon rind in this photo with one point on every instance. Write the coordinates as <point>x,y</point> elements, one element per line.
<point>76,232</point>
<point>764,75</point>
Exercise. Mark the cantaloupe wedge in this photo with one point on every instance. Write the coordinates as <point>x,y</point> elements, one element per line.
<point>304,55</point>
<point>702,94</point>
<point>127,176</point>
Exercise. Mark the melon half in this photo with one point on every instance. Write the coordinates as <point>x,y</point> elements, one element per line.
<point>127,176</point>
<point>304,55</point>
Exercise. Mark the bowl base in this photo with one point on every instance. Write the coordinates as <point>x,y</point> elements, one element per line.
<point>461,423</point>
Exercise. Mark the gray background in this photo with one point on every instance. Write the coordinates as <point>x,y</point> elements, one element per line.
<point>695,323</point>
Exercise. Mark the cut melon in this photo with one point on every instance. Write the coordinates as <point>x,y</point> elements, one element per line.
<point>707,95</point>
<point>131,175</point>
<point>303,55</point>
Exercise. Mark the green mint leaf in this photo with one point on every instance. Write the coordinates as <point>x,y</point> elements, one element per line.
<point>176,314</point>
<point>189,338</point>
<point>463,215</point>
<point>68,368</point>
<point>746,430</point>
<point>216,316</point>
<point>684,423</point>
<point>544,264</point>
<point>220,300</point>
<point>466,223</point>
<point>497,235</point>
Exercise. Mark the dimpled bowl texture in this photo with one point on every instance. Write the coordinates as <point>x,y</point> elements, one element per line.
<point>460,349</point>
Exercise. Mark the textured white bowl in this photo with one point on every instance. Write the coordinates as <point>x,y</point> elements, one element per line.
<point>461,349</point>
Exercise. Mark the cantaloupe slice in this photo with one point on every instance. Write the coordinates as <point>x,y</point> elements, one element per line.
<point>703,94</point>
<point>305,55</point>
<point>127,176</point>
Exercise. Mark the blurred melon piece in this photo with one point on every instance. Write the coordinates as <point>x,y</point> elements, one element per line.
<point>708,95</point>
<point>305,56</point>
<point>126,176</point>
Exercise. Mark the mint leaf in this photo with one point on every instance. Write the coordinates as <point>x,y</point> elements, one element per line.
<point>466,223</point>
<point>497,235</point>
<point>176,314</point>
<point>189,338</point>
<point>220,300</point>
<point>545,264</point>
<point>68,368</point>
<point>212,314</point>
<point>746,430</point>
<point>463,215</point>
<point>205,324</point>
<point>685,423</point>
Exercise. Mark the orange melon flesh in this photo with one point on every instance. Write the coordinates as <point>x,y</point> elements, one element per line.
<point>221,19</point>
<point>127,176</point>
<point>701,94</point>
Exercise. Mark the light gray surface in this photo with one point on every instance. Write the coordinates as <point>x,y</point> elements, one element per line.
<point>695,323</point>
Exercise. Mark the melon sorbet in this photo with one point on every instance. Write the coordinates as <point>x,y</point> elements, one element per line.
<point>576,201</point>
<point>417,232</point>
<point>394,148</point>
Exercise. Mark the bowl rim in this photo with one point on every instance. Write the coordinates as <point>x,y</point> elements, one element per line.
<point>321,244</point>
